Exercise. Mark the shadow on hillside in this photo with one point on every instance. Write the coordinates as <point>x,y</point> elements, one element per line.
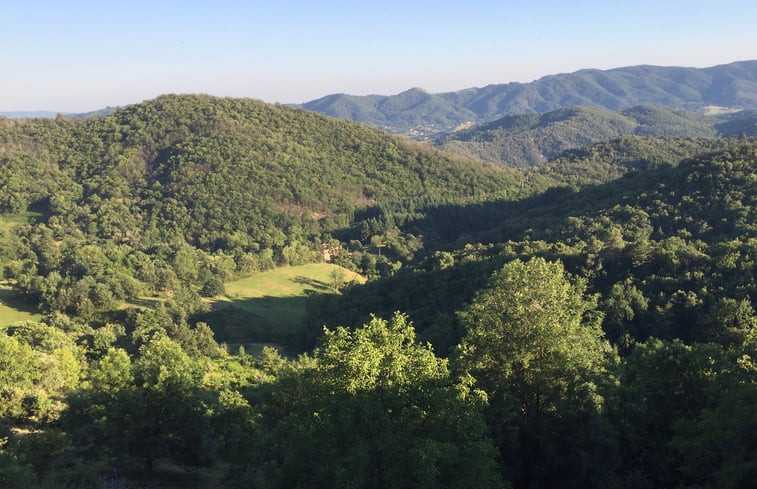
<point>12,299</point>
<point>279,320</point>
<point>452,226</point>
<point>432,292</point>
<point>145,302</point>
<point>316,284</point>
<point>430,298</point>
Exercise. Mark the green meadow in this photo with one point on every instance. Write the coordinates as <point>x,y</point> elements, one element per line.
<point>12,309</point>
<point>269,308</point>
<point>11,221</point>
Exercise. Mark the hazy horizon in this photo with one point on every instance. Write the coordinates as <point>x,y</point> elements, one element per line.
<point>85,55</point>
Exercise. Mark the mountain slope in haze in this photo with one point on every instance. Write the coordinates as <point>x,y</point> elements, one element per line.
<point>609,160</point>
<point>95,113</point>
<point>27,114</point>
<point>532,139</point>
<point>743,123</point>
<point>33,114</point>
<point>732,85</point>
<point>413,111</point>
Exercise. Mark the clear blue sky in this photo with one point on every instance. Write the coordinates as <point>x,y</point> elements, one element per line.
<point>84,55</point>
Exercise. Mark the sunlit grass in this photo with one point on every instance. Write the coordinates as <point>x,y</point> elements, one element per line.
<point>298,281</point>
<point>270,306</point>
<point>12,308</point>
<point>11,221</point>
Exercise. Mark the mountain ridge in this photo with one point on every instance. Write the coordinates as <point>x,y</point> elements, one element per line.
<point>49,114</point>
<point>732,85</point>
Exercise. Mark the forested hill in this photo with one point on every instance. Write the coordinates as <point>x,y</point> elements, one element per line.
<point>418,113</point>
<point>586,323</point>
<point>668,254</point>
<point>253,183</point>
<point>533,139</point>
<point>200,152</point>
<point>679,240</point>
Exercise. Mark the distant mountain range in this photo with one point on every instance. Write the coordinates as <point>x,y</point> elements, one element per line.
<point>418,113</point>
<point>27,114</point>
<point>532,139</point>
<point>24,114</point>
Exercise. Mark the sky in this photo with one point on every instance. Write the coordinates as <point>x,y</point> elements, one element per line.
<point>78,56</point>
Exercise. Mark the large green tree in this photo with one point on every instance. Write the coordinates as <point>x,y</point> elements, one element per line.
<point>534,344</point>
<point>157,397</point>
<point>375,409</point>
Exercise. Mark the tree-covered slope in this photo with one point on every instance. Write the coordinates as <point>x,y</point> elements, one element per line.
<point>414,112</point>
<point>532,139</point>
<point>607,160</point>
<point>165,183</point>
<point>211,163</point>
<point>738,124</point>
<point>669,249</point>
<point>601,333</point>
<point>733,85</point>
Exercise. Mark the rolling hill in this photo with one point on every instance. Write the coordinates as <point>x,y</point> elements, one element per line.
<point>532,139</point>
<point>421,114</point>
<point>210,188</point>
<point>597,310</point>
<point>672,234</point>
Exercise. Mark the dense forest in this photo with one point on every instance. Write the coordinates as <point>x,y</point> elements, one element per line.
<point>534,139</point>
<point>588,322</point>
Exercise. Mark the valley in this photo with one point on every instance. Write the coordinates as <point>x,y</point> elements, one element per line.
<point>204,291</point>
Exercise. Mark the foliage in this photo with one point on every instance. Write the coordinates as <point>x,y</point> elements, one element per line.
<point>13,471</point>
<point>157,397</point>
<point>681,413</point>
<point>179,195</point>
<point>121,223</point>
<point>533,343</point>
<point>668,248</point>
<point>374,409</point>
<point>39,365</point>
<point>534,139</point>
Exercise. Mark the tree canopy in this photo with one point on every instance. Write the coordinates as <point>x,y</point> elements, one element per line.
<point>375,409</point>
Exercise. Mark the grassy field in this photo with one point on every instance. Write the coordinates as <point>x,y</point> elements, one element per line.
<point>270,307</point>
<point>267,308</point>
<point>9,222</point>
<point>12,309</point>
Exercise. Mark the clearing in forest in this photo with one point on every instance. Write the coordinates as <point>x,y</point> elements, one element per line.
<point>270,307</point>
<point>12,308</point>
